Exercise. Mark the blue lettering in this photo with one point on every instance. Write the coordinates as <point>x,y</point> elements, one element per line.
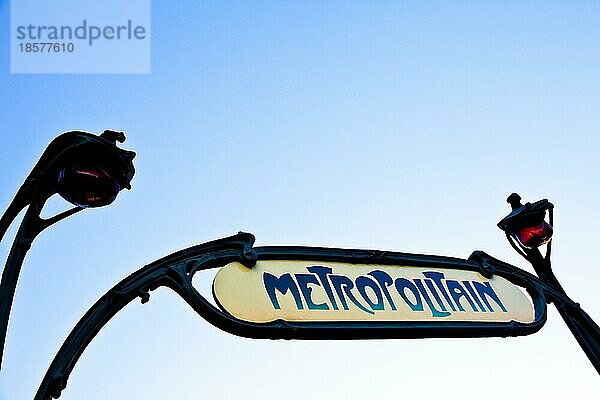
<point>384,281</point>
<point>484,289</point>
<point>322,272</point>
<point>362,282</point>
<point>434,290</point>
<point>437,278</point>
<point>303,281</point>
<point>282,284</point>
<point>457,291</point>
<point>343,285</point>
<point>401,285</point>
<point>467,285</point>
<point>436,313</point>
<point>437,298</point>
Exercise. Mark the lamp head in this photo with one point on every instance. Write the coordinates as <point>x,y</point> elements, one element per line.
<point>91,170</point>
<point>526,223</point>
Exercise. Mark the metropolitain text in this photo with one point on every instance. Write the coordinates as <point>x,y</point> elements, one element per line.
<point>378,291</point>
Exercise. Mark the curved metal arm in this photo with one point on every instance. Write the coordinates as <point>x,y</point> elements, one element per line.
<point>10,214</point>
<point>31,226</point>
<point>176,272</point>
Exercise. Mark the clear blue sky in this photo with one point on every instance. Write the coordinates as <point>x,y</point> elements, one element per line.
<point>388,125</point>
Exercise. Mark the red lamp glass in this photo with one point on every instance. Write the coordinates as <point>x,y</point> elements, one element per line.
<point>534,236</point>
<point>87,185</point>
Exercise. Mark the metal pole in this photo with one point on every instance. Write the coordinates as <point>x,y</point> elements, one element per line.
<point>28,230</point>
<point>65,151</point>
<point>530,217</point>
<point>10,276</point>
<point>31,226</point>
<point>581,325</point>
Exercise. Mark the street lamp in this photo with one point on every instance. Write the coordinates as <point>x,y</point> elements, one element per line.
<point>526,230</point>
<point>86,170</point>
<point>526,223</point>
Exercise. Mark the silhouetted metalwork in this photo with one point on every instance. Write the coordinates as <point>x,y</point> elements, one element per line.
<point>85,169</point>
<point>176,272</point>
<point>89,171</point>
<point>526,230</point>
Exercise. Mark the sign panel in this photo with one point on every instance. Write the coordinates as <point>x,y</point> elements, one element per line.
<point>313,291</point>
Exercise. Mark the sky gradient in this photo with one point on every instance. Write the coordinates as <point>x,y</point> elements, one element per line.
<point>378,125</point>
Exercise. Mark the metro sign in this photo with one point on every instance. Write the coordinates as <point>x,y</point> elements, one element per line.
<point>292,292</point>
<point>309,291</point>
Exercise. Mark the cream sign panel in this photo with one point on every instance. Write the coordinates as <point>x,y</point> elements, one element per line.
<point>334,291</point>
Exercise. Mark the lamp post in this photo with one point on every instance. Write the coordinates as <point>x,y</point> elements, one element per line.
<point>526,230</point>
<point>86,170</point>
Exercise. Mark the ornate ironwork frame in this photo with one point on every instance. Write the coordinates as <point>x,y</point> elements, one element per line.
<point>177,270</point>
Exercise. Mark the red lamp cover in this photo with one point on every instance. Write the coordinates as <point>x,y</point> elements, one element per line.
<point>87,185</point>
<point>534,236</point>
